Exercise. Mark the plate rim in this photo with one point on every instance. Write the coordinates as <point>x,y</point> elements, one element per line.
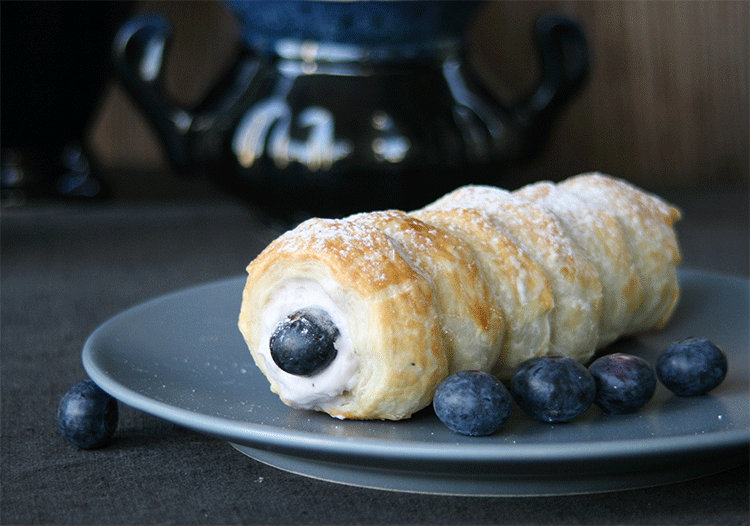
<point>315,445</point>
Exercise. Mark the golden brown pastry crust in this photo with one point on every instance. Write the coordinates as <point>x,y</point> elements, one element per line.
<point>481,279</point>
<point>648,224</point>
<point>519,285</point>
<point>392,314</point>
<point>574,282</point>
<point>599,235</point>
<point>472,324</point>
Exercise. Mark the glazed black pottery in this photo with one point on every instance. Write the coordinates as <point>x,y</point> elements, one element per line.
<point>344,106</point>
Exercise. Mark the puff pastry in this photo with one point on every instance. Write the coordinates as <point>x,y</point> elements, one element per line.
<point>480,279</point>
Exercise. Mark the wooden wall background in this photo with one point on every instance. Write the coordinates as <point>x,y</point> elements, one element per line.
<point>666,104</point>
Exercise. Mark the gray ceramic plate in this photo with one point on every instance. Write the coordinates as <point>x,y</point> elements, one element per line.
<point>180,357</point>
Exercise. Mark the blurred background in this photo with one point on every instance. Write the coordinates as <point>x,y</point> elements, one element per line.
<point>665,104</point>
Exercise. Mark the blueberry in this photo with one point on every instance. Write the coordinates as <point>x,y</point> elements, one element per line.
<point>87,416</point>
<point>691,367</point>
<point>472,403</point>
<point>303,343</point>
<point>624,383</point>
<point>553,388</point>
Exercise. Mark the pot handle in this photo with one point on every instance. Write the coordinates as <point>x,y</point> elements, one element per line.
<point>564,54</point>
<point>138,52</point>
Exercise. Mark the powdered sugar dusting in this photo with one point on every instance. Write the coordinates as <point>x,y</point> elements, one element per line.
<point>317,233</point>
<point>345,239</point>
<point>530,225</point>
<point>540,228</point>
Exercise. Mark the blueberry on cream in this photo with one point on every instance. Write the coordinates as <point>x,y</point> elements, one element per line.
<point>303,343</point>
<point>306,344</point>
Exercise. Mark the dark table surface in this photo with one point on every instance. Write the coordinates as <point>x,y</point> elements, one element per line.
<point>67,268</point>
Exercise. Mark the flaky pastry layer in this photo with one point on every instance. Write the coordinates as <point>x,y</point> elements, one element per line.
<point>480,279</point>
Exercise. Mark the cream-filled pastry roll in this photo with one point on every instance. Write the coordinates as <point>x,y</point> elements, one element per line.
<point>388,346</point>
<point>363,317</point>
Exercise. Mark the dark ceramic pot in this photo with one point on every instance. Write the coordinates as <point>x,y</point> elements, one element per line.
<point>342,106</point>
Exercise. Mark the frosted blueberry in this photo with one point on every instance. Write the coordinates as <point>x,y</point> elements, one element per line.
<point>624,383</point>
<point>87,416</point>
<point>472,403</point>
<point>691,367</point>
<point>553,388</point>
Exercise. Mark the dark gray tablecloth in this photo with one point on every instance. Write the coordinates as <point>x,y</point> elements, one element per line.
<point>68,268</point>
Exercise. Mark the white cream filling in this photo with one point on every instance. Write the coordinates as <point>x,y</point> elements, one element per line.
<point>324,389</point>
